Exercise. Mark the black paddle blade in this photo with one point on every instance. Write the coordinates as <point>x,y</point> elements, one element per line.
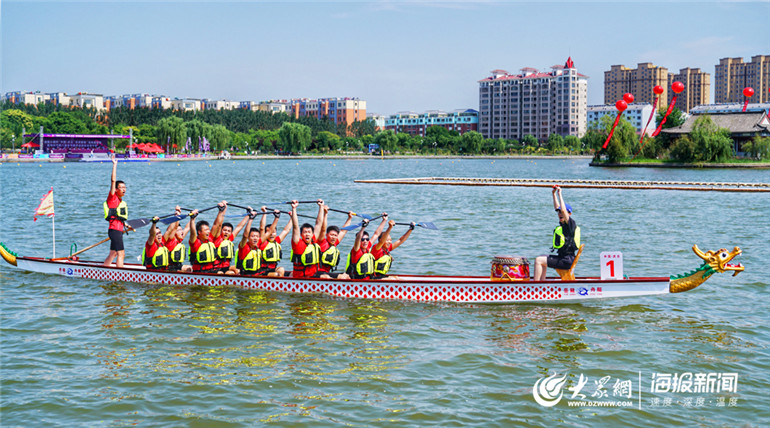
<point>173,218</point>
<point>138,222</point>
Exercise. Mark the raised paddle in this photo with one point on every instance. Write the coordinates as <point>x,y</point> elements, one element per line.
<point>289,212</point>
<point>175,218</point>
<point>141,222</point>
<point>356,226</point>
<point>364,216</point>
<point>427,225</point>
<point>84,249</point>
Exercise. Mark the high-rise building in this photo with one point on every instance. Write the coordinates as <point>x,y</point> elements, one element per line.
<point>697,86</point>
<point>639,82</point>
<point>533,103</point>
<point>732,75</point>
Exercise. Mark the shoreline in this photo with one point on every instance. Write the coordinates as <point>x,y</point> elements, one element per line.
<point>760,165</point>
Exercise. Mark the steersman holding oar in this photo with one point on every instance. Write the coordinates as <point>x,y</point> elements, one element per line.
<point>116,212</point>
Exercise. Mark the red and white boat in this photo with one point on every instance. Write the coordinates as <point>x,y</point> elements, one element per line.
<point>423,288</point>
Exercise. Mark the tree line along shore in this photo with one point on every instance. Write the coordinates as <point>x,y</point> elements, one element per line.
<point>246,133</point>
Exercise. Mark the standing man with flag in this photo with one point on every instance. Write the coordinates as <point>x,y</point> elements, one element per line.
<point>116,212</point>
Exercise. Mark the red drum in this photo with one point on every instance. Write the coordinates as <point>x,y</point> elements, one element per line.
<point>510,268</point>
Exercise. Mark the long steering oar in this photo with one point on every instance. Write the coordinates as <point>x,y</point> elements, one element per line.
<point>426,224</point>
<point>84,249</point>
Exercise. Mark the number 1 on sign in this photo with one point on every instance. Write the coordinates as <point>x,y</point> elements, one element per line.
<point>611,265</point>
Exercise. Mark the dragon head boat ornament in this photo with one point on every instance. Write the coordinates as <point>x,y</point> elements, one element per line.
<point>713,262</point>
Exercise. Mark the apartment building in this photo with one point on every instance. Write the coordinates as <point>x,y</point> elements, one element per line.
<point>23,97</point>
<point>186,104</point>
<point>533,103</point>
<point>462,121</point>
<point>637,114</point>
<point>697,88</point>
<point>86,100</point>
<point>638,81</point>
<point>732,75</point>
<point>338,110</point>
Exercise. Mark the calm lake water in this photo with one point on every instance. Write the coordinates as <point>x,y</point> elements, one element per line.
<point>89,353</point>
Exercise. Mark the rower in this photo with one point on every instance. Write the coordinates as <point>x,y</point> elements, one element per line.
<point>381,251</point>
<point>566,239</point>
<point>328,239</point>
<point>223,238</point>
<point>155,253</point>
<point>116,212</point>
<point>177,251</point>
<point>360,264</point>
<point>249,256</point>
<point>271,247</point>
<point>305,251</point>
<point>202,249</point>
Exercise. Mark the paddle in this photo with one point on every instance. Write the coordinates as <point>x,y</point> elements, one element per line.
<point>364,216</point>
<point>289,212</point>
<point>84,249</point>
<point>356,226</point>
<point>427,225</point>
<point>175,218</point>
<point>141,222</point>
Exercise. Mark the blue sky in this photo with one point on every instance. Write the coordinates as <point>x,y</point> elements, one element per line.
<point>395,55</point>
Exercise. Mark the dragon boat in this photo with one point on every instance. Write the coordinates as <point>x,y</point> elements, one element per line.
<point>422,288</point>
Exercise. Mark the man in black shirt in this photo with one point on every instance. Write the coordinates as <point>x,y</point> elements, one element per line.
<point>566,239</point>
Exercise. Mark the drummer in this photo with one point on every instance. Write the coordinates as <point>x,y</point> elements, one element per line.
<point>566,238</point>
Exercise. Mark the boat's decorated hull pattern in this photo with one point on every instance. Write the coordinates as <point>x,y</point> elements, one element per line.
<point>415,288</point>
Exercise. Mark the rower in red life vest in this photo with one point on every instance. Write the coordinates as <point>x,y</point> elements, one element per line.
<point>202,249</point>
<point>360,263</point>
<point>381,251</point>
<point>223,235</point>
<point>177,250</point>
<point>155,254</point>
<point>249,255</point>
<point>270,245</point>
<point>305,251</point>
<point>328,239</point>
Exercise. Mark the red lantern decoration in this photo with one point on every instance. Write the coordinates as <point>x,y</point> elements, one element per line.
<point>748,92</point>
<point>621,106</point>
<point>677,87</point>
<point>658,90</point>
<point>628,97</point>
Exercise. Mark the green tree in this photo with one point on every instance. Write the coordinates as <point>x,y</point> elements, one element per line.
<point>530,141</point>
<point>365,127</point>
<point>172,129</point>
<point>219,138</point>
<point>387,140</point>
<point>327,141</point>
<point>294,137</point>
<point>555,142</point>
<point>712,144</point>
<point>683,150</point>
<point>64,123</point>
<point>472,142</point>
<point>573,143</point>
<point>197,130</point>
<point>758,148</point>
<point>623,139</point>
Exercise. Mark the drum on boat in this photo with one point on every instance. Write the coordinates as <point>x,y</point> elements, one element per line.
<point>510,268</point>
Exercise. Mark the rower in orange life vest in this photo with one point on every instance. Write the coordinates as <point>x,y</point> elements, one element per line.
<point>270,245</point>
<point>202,249</point>
<point>223,235</point>
<point>566,239</point>
<point>328,239</point>
<point>360,263</point>
<point>156,255</point>
<point>381,251</point>
<point>116,212</point>
<point>177,250</point>
<point>305,251</point>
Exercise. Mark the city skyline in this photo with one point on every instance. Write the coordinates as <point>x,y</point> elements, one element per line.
<point>398,56</point>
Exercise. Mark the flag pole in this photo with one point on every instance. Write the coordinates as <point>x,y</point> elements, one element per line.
<point>53,231</point>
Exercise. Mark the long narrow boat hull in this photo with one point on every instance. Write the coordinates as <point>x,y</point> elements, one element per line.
<point>461,289</point>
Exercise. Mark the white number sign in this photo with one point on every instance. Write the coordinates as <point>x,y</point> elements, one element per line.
<point>612,264</point>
